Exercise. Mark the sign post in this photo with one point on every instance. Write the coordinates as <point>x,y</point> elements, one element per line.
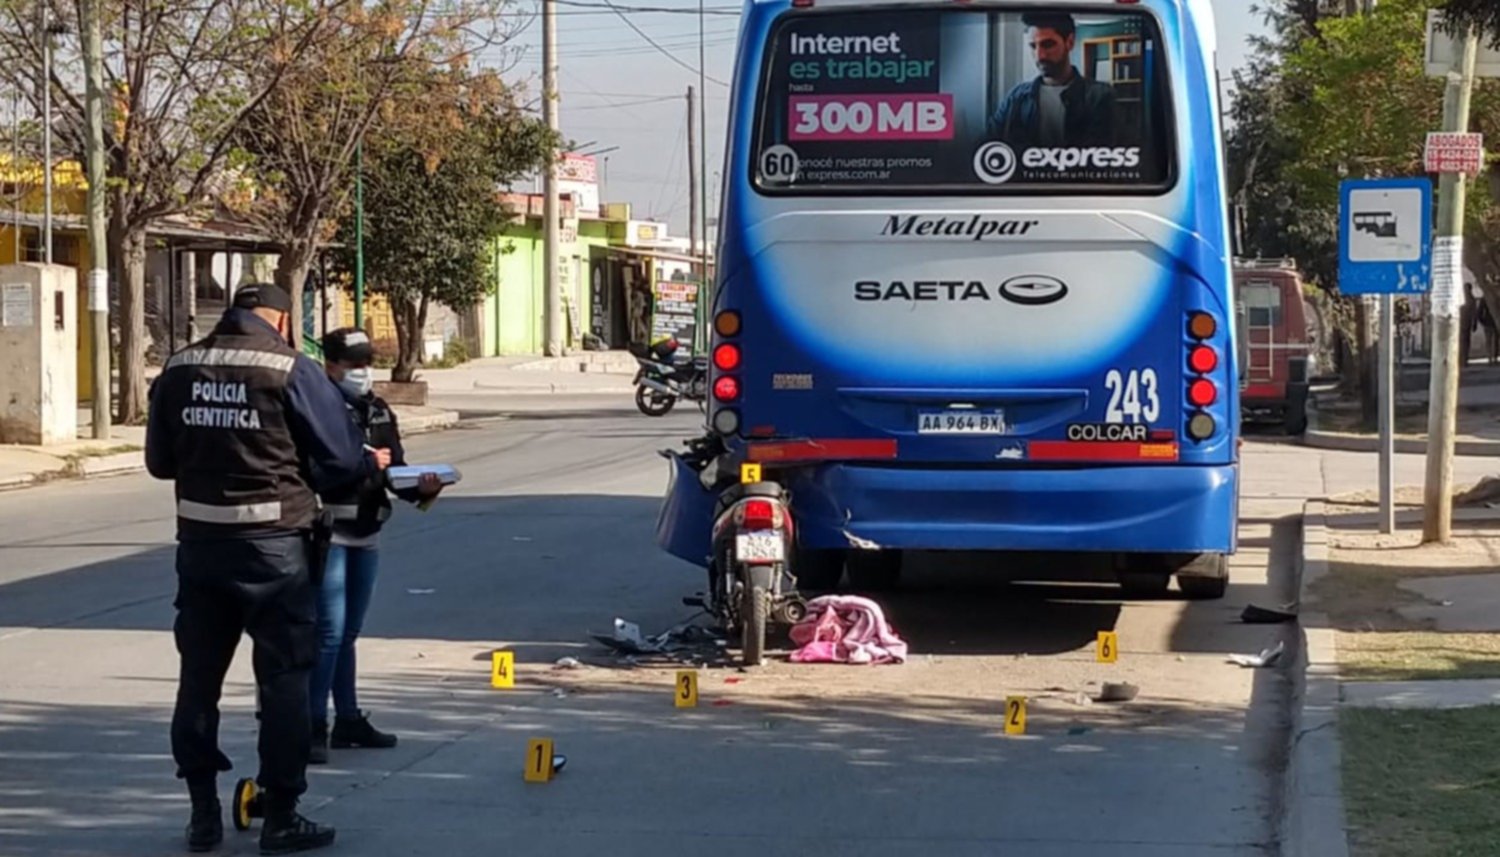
<point>1385,249</point>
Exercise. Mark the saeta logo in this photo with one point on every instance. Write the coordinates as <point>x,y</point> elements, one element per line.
<point>1063,160</point>
<point>1033,289</point>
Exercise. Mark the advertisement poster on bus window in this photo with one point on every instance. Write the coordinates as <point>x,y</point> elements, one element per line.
<point>674,311</point>
<point>963,100</point>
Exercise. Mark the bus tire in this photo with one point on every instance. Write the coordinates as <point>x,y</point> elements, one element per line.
<point>1140,583</point>
<point>1205,578</point>
<point>817,571</point>
<point>873,570</point>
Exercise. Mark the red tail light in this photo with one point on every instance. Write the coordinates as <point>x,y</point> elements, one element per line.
<point>1203,360</point>
<point>1202,393</point>
<point>727,388</point>
<point>760,515</point>
<point>727,357</point>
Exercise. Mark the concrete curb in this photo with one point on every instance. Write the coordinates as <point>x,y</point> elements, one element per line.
<point>1407,445</point>
<point>624,389</point>
<point>1312,821</point>
<point>423,423</point>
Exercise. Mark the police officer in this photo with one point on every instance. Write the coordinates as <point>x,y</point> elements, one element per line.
<point>359,512</point>
<point>249,430</point>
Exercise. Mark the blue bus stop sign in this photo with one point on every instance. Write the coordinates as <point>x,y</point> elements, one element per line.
<point>1385,236</point>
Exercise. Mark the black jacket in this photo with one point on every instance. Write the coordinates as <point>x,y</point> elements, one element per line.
<point>1089,121</point>
<point>362,509</point>
<point>249,429</point>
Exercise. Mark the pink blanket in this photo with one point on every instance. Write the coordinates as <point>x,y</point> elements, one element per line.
<point>846,629</point>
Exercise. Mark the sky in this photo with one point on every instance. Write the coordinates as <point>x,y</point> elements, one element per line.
<point>618,91</point>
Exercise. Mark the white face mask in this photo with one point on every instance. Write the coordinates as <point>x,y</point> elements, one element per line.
<point>357,381</point>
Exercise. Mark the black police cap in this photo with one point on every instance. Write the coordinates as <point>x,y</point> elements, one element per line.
<point>348,345</point>
<point>263,295</point>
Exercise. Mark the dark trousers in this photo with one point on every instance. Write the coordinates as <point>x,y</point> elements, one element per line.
<point>260,587</point>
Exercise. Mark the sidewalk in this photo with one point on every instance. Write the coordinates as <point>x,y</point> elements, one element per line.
<point>1392,751</point>
<point>123,453</point>
<point>604,373</point>
<point>1336,424</point>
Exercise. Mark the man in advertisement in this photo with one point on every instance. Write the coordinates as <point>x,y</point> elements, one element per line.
<point>1059,107</point>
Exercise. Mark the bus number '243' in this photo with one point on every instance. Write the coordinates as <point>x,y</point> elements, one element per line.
<point>1133,398</point>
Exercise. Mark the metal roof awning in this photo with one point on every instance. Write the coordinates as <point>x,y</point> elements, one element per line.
<point>656,254</point>
<point>210,235</point>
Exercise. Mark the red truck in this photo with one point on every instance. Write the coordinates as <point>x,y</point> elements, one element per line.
<point>1276,342</point>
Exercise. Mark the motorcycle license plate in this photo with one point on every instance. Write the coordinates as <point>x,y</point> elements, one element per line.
<point>759,547</point>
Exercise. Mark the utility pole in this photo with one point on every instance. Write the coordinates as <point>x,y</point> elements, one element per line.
<point>98,292</point>
<point>692,147</point>
<point>1447,262</point>
<point>46,132</point>
<point>359,235</point>
<point>15,163</point>
<point>552,327</point>
<point>703,154</point>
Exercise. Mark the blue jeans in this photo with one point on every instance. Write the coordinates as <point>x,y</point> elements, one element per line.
<point>343,599</point>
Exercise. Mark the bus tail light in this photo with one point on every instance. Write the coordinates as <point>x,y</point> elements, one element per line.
<point>1201,426</point>
<point>1202,325</point>
<point>1203,360</point>
<point>727,357</point>
<point>727,388</point>
<point>1202,393</point>
<point>727,323</point>
<point>726,421</point>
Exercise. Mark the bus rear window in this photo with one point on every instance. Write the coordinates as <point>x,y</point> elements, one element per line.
<point>956,100</point>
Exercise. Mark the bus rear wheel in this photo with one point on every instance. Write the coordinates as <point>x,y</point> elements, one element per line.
<point>1205,578</point>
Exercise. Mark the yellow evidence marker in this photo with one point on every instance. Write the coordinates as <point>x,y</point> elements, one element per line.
<point>686,694</point>
<point>539,760</point>
<point>502,668</point>
<point>1109,647</point>
<point>749,473</point>
<point>1015,715</point>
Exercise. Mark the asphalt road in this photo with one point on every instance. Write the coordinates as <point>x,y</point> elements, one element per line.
<point>549,538</point>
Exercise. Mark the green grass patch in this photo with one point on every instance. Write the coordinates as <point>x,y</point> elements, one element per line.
<point>1418,655</point>
<point>1422,783</point>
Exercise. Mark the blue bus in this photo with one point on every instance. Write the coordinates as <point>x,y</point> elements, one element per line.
<point>974,288</point>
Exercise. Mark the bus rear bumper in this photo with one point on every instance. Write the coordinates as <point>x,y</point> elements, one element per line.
<point>1179,509</point>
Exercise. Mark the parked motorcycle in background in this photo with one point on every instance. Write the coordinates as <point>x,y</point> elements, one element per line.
<point>666,375</point>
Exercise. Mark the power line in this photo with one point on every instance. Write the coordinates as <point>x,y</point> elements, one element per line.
<point>668,54</point>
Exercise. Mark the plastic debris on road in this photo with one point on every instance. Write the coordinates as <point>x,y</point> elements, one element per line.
<point>1266,658</point>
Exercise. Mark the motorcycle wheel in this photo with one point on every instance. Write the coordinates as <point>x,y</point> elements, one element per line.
<point>652,403</point>
<point>755,615</point>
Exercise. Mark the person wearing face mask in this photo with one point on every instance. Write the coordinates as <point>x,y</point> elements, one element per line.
<point>249,431</point>
<point>358,511</point>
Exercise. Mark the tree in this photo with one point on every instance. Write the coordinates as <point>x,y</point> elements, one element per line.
<point>432,201</point>
<point>183,75</point>
<point>1483,15</point>
<point>373,67</point>
<point>1339,98</point>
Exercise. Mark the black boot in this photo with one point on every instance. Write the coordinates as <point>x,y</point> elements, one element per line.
<point>285,831</point>
<point>205,829</point>
<point>357,732</point>
<point>318,755</point>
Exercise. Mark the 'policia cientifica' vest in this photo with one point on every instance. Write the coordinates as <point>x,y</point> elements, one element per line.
<point>239,473</point>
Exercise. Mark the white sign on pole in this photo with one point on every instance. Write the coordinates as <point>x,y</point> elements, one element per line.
<point>1442,50</point>
<point>1454,153</point>
<point>1386,225</point>
<point>15,305</point>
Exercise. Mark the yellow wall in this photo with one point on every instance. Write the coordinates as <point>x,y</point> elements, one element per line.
<point>80,252</point>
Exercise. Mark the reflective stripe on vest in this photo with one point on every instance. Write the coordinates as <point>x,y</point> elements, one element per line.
<point>238,357</point>
<point>350,512</point>
<point>250,513</point>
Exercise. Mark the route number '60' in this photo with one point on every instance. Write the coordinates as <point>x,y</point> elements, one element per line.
<point>1133,398</point>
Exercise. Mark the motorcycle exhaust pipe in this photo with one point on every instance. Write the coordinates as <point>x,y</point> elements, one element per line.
<point>658,386</point>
